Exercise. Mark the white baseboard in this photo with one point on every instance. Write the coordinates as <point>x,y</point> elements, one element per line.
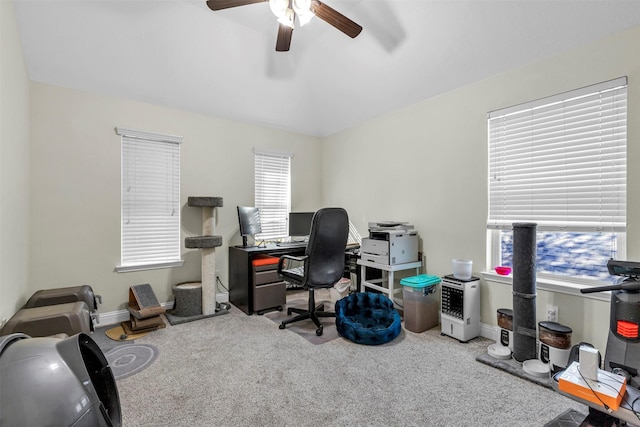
<point>119,316</point>
<point>115,317</point>
<point>488,331</point>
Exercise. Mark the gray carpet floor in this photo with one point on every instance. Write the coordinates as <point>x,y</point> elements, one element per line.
<point>239,370</point>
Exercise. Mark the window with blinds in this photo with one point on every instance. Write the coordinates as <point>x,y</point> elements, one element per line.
<point>150,200</point>
<point>272,171</point>
<point>560,162</point>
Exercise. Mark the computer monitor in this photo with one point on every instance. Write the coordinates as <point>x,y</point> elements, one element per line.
<point>250,225</point>
<point>300,223</point>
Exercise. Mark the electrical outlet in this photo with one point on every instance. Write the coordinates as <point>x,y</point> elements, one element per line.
<point>552,313</point>
<point>4,321</point>
<point>217,274</point>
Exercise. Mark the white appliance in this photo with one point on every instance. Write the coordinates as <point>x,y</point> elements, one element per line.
<point>505,328</point>
<point>460,307</point>
<point>554,345</point>
<point>390,244</point>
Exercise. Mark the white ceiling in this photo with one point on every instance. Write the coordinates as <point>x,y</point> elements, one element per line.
<point>179,53</point>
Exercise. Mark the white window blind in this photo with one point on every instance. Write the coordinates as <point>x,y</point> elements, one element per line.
<point>273,191</point>
<point>150,231</point>
<point>561,161</point>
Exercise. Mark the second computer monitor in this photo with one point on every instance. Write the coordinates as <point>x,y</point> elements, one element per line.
<point>250,223</point>
<point>300,223</point>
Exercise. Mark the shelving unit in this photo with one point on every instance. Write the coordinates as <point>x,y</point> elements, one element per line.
<point>387,276</point>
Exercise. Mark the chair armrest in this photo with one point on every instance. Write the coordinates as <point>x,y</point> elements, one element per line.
<point>283,261</point>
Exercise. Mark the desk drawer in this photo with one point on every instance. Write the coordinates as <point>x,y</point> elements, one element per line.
<point>266,267</point>
<point>264,277</point>
<point>272,295</point>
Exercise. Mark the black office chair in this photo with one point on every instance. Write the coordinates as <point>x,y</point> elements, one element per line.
<point>322,266</point>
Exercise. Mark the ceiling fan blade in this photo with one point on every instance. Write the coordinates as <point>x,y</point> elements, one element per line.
<point>226,4</point>
<point>284,38</point>
<point>335,18</point>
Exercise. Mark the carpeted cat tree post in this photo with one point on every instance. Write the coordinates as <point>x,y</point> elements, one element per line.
<point>207,243</point>
<point>524,291</point>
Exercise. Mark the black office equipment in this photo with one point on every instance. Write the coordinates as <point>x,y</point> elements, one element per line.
<point>245,292</point>
<point>268,289</point>
<point>322,265</point>
<point>250,224</point>
<point>300,223</point>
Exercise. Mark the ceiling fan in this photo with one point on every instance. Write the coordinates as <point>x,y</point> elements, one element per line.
<point>287,10</point>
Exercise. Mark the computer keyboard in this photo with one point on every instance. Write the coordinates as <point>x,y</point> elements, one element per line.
<point>290,243</point>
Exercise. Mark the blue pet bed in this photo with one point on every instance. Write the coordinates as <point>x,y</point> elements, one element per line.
<point>367,318</point>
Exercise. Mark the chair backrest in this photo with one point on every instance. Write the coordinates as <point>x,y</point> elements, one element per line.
<point>327,243</point>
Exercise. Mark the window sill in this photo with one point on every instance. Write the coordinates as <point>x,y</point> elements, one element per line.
<point>550,285</point>
<point>154,266</point>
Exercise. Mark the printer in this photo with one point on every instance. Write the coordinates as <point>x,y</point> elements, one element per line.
<point>390,243</point>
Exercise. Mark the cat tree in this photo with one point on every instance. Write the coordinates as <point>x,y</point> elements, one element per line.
<point>207,243</point>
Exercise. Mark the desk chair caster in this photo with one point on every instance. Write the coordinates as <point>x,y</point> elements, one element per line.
<point>318,331</point>
<point>314,313</point>
<point>261,312</point>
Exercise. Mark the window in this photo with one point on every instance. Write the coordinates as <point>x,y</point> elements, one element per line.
<point>560,162</point>
<point>150,229</point>
<point>272,192</point>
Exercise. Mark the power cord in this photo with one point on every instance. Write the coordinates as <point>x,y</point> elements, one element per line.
<point>609,410</point>
<point>222,305</point>
<point>613,378</point>
<point>219,282</point>
<point>632,407</point>
<point>632,404</point>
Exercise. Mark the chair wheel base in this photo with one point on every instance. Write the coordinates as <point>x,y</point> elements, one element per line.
<point>281,326</point>
<point>319,331</point>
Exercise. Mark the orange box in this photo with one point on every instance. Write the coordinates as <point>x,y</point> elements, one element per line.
<point>608,389</point>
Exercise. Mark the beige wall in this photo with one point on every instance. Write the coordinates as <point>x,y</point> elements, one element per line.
<point>75,173</point>
<point>14,166</point>
<point>427,164</point>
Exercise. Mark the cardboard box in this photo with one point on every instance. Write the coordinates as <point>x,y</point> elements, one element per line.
<point>608,389</point>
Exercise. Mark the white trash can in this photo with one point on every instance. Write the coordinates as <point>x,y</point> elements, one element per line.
<point>340,290</point>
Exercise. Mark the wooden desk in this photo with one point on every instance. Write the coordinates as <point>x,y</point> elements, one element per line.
<point>242,289</point>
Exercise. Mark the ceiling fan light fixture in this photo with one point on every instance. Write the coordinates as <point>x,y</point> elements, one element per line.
<point>302,8</point>
<point>305,18</point>
<point>287,18</point>
<point>286,12</point>
<point>279,7</point>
